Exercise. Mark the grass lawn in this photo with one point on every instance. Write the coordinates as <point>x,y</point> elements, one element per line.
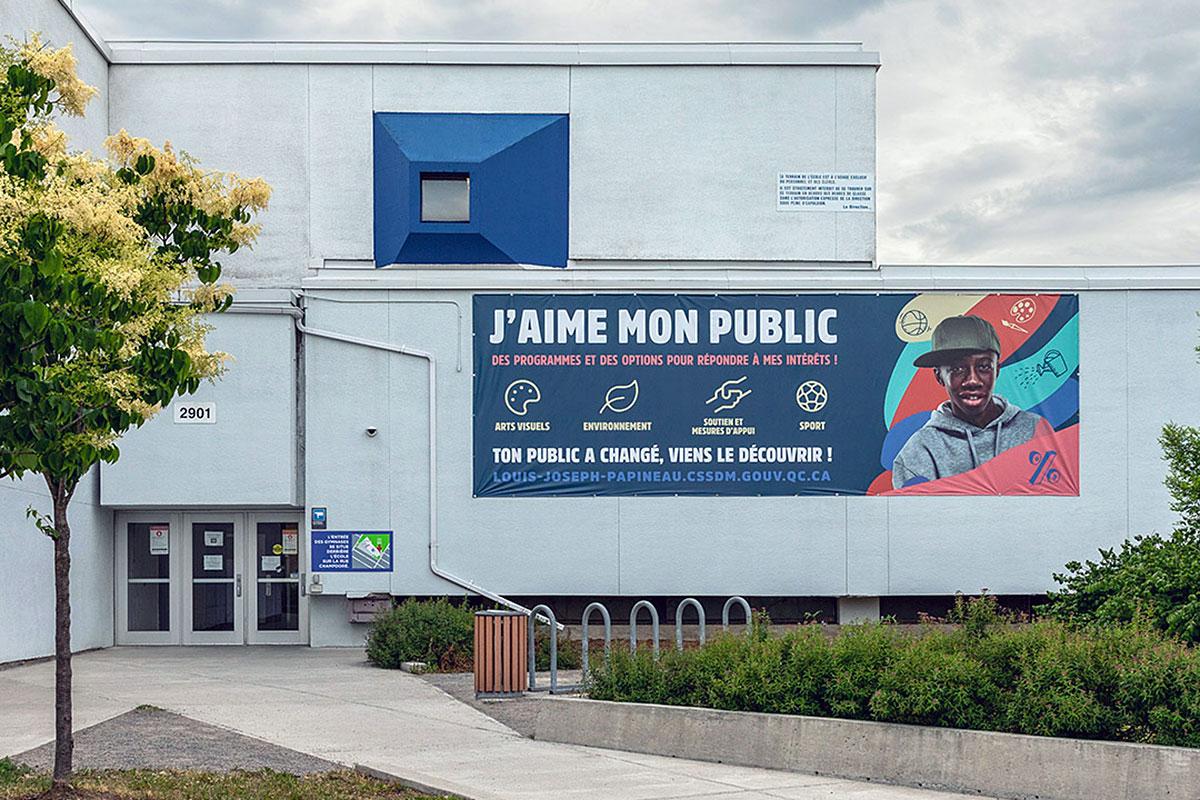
<point>20,783</point>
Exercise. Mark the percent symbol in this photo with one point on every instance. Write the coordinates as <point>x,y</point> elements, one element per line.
<point>1046,472</point>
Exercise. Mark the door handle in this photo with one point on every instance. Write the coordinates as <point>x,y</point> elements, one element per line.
<point>303,584</point>
<point>237,584</point>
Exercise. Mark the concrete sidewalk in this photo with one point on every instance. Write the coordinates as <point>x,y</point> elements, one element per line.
<point>332,704</point>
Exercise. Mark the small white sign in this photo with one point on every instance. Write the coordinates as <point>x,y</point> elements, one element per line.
<point>160,540</point>
<point>825,191</point>
<point>195,413</point>
<point>291,541</point>
<point>271,563</point>
<point>214,563</point>
<point>214,538</point>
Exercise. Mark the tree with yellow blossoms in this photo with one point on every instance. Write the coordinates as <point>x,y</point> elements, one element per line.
<point>107,270</point>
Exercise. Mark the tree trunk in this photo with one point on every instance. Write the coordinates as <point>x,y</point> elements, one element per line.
<point>64,741</point>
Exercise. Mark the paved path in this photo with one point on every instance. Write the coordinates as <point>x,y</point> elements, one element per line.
<point>149,738</point>
<point>333,705</point>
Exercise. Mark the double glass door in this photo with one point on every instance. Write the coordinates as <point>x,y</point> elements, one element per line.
<point>210,579</point>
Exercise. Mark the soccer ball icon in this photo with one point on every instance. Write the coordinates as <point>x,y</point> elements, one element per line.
<point>811,396</point>
<point>914,322</point>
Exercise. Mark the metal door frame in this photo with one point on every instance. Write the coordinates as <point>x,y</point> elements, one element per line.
<point>121,633</point>
<point>238,634</point>
<point>250,579</point>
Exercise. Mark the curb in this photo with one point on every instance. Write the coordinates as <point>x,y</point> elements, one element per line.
<point>1006,765</point>
<point>407,783</point>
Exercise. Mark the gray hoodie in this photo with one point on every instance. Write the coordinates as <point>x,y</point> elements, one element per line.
<point>947,446</point>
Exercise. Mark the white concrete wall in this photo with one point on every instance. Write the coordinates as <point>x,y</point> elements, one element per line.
<point>673,163</point>
<point>667,163</point>
<point>252,120</point>
<point>248,457</point>
<point>329,623</point>
<point>27,590</point>
<point>753,546</point>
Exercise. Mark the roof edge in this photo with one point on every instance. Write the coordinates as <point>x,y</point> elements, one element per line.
<point>493,53</point>
<point>751,277</point>
<point>90,32</point>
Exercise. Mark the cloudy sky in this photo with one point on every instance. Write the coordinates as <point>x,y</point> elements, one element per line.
<point>1010,131</point>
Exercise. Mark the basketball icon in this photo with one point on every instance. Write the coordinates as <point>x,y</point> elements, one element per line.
<point>914,322</point>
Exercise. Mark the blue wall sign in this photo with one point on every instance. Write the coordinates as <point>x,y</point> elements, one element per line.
<point>765,395</point>
<point>351,551</point>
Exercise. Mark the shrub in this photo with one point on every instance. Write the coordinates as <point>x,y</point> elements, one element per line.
<point>1062,682</point>
<point>569,650</point>
<point>1159,689</point>
<point>860,656</point>
<point>630,677</point>
<point>930,683</point>
<point>808,668</point>
<point>436,632</point>
<point>1154,577</point>
<point>751,681</point>
<point>1125,682</point>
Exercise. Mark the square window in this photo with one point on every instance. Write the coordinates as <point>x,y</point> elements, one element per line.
<point>445,197</point>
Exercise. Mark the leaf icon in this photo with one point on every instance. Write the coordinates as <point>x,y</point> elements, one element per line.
<point>621,398</point>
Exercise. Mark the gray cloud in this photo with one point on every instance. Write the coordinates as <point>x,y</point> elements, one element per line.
<point>1080,142</point>
<point>468,19</point>
<point>1009,130</point>
<point>788,19</point>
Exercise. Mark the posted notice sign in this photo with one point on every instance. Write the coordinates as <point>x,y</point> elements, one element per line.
<point>351,551</point>
<point>160,540</point>
<point>825,191</point>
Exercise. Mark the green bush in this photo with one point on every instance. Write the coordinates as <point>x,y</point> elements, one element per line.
<point>434,631</point>
<point>860,656</point>
<point>1155,578</point>
<point>569,650</point>
<point>442,635</point>
<point>1063,685</point>
<point>1125,682</point>
<point>930,682</point>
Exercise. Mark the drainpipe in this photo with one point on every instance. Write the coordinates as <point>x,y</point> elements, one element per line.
<point>433,516</point>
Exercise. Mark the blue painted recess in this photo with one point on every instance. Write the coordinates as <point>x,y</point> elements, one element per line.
<point>518,167</point>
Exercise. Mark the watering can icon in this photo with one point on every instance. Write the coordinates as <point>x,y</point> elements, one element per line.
<point>1053,363</point>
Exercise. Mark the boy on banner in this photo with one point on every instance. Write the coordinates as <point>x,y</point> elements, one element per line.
<point>973,425</point>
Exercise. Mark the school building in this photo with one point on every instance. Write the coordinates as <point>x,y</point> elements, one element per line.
<point>565,322</point>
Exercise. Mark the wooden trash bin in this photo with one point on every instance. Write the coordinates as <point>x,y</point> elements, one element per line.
<point>501,641</point>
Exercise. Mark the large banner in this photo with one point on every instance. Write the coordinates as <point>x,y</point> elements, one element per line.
<point>892,394</point>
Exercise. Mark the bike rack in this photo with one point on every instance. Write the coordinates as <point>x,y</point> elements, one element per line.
<point>543,613</point>
<point>553,649</point>
<point>587,613</point>
<point>729,604</point>
<point>684,603</point>
<point>633,615</point>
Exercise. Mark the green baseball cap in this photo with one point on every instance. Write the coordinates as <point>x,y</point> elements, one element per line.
<point>955,337</point>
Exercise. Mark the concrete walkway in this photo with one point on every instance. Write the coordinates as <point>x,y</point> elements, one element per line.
<point>332,704</point>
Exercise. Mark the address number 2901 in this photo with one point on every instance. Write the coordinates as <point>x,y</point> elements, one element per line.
<point>195,413</point>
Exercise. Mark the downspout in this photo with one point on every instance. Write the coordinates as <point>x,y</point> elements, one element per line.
<point>433,516</point>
